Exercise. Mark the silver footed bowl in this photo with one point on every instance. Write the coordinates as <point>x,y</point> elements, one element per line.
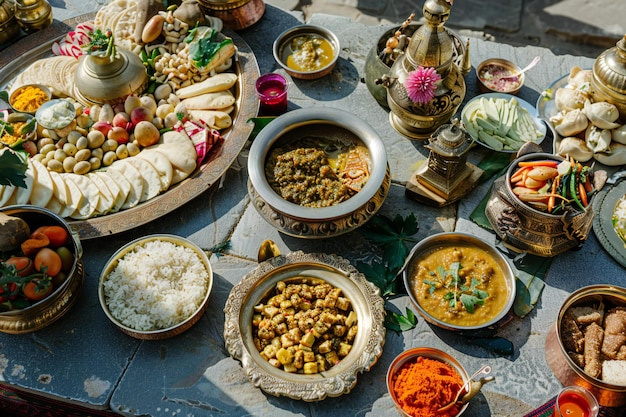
<point>317,222</point>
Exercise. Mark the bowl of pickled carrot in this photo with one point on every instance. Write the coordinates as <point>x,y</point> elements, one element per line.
<point>421,380</point>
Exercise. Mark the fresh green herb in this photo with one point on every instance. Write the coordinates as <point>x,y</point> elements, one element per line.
<point>392,236</point>
<point>380,275</point>
<point>191,34</point>
<point>13,168</point>
<point>399,323</point>
<point>204,49</point>
<point>470,296</point>
<point>4,95</point>
<point>101,44</point>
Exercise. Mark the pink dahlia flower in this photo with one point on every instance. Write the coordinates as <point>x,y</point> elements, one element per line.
<point>421,84</point>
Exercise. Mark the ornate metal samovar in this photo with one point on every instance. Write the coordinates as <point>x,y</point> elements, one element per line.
<point>431,46</point>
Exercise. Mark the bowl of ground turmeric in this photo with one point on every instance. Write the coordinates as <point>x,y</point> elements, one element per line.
<point>28,98</point>
<point>422,380</point>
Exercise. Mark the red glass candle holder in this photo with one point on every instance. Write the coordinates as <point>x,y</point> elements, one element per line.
<point>576,401</point>
<point>272,91</point>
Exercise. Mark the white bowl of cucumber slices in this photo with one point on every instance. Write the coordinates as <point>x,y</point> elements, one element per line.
<point>502,122</point>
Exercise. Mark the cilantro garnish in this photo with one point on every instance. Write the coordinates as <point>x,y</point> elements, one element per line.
<point>470,296</point>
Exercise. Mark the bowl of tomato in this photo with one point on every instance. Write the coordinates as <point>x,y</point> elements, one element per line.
<point>41,271</point>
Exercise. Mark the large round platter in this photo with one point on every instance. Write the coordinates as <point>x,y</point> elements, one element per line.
<point>341,378</point>
<point>523,103</point>
<point>603,206</point>
<point>245,65</point>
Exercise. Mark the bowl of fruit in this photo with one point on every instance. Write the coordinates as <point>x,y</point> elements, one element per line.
<point>41,271</point>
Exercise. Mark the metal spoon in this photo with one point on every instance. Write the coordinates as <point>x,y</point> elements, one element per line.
<point>470,387</point>
<point>523,70</point>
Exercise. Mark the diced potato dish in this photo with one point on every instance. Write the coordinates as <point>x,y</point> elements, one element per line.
<point>305,326</point>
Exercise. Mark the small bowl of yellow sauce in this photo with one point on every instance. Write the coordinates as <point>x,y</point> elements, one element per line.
<point>307,51</point>
<point>459,282</point>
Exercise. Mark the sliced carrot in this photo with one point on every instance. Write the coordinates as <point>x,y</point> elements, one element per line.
<point>519,173</point>
<point>583,194</point>
<point>545,162</point>
<point>36,241</point>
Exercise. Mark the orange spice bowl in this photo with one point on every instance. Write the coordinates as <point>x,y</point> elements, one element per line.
<point>409,358</point>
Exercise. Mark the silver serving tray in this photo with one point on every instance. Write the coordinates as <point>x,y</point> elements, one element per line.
<point>203,178</point>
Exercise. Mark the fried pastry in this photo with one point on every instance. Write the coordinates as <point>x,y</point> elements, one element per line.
<point>573,338</point>
<point>594,335</point>
<point>585,315</point>
<point>614,343</point>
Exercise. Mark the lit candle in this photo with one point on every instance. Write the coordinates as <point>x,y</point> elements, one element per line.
<point>575,401</point>
<point>272,91</point>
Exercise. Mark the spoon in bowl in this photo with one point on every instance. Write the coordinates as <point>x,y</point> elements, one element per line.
<point>523,70</point>
<point>470,388</point>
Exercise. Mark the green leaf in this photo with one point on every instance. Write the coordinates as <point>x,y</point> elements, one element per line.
<point>530,283</point>
<point>380,275</point>
<point>392,236</point>
<point>259,124</point>
<point>398,322</point>
<point>12,168</point>
<point>4,95</point>
<point>470,302</point>
<point>495,163</point>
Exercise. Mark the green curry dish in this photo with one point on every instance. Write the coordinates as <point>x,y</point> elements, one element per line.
<point>458,292</point>
<point>207,52</point>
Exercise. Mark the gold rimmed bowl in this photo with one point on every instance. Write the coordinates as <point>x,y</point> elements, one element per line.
<point>490,73</point>
<point>597,302</point>
<point>298,268</point>
<point>143,298</point>
<point>52,308</point>
<point>409,358</point>
<point>334,127</point>
<point>307,52</point>
<point>440,263</point>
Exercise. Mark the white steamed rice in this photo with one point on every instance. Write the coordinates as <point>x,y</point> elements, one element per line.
<point>156,286</point>
<point>619,218</point>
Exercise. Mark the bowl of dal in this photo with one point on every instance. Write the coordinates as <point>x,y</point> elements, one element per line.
<point>156,287</point>
<point>307,51</point>
<point>459,282</point>
<point>318,172</point>
<point>422,379</point>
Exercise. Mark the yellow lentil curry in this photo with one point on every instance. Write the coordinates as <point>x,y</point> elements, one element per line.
<point>310,53</point>
<point>317,172</point>
<point>460,285</point>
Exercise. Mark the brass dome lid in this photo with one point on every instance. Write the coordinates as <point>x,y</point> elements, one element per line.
<point>610,67</point>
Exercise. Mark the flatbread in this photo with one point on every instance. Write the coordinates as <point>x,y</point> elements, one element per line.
<point>151,180</point>
<point>179,150</point>
<point>134,179</point>
<point>75,198</point>
<point>106,198</point>
<point>43,188</point>
<point>62,194</point>
<point>22,195</point>
<point>91,196</point>
<point>115,179</point>
<point>161,164</point>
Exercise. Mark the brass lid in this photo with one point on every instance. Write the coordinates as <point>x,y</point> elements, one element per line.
<point>223,4</point>
<point>449,140</point>
<point>610,67</point>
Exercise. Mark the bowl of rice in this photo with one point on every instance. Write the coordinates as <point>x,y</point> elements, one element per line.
<point>156,287</point>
